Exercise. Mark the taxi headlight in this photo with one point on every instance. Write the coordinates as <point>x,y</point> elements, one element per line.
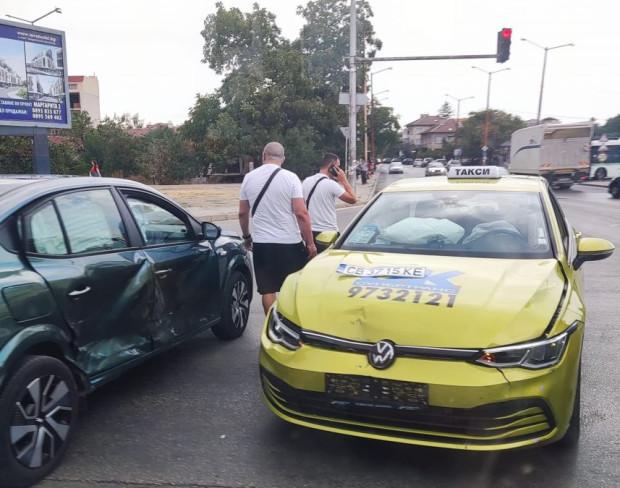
<point>282,331</point>
<point>532,355</point>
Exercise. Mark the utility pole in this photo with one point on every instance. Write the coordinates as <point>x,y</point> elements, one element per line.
<point>352,83</point>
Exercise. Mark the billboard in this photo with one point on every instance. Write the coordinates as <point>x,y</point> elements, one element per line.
<point>34,89</point>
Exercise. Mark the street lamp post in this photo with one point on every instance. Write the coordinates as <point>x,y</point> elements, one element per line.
<point>458,111</point>
<point>486,122</point>
<point>372,112</point>
<point>542,81</point>
<point>35,20</point>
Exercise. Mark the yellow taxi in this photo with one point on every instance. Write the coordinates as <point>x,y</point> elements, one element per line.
<point>450,313</point>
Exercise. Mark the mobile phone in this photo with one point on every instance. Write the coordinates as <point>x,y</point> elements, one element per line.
<point>333,171</point>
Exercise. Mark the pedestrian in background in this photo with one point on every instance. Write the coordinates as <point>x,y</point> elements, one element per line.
<point>94,169</point>
<point>320,193</point>
<point>364,171</point>
<point>272,197</point>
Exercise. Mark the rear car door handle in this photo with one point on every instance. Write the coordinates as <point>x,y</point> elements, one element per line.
<point>79,293</point>
<point>162,273</point>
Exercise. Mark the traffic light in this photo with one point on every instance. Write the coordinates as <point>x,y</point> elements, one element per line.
<point>503,44</point>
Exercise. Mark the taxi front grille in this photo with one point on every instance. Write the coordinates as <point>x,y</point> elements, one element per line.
<point>498,423</point>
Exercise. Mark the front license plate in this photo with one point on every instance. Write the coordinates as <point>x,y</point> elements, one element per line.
<point>369,391</point>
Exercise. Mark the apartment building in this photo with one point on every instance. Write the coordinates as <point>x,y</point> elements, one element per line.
<point>84,96</point>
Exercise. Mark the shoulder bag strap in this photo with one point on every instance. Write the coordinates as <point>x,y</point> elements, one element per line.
<point>262,192</point>
<point>314,188</point>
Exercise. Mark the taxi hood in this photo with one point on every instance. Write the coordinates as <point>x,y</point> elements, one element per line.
<point>430,301</point>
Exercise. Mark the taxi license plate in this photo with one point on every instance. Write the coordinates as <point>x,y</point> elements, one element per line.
<point>369,391</point>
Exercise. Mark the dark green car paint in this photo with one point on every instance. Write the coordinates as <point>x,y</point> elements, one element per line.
<point>103,312</point>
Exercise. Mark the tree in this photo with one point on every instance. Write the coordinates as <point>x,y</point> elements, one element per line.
<point>501,127</point>
<point>445,111</point>
<point>611,128</point>
<point>15,155</point>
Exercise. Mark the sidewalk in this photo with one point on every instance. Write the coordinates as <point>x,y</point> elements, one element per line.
<point>220,201</point>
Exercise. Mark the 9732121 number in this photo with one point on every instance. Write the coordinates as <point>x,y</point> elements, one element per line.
<point>400,295</point>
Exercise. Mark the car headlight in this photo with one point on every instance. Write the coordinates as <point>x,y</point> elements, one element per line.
<point>282,331</point>
<point>531,355</point>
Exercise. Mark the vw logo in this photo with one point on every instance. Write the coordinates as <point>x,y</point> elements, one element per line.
<point>382,354</point>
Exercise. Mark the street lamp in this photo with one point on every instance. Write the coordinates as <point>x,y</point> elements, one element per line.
<point>542,81</point>
<point>372,112</point>
<point>458,111</point>
<point>35,20</point>
<point>486,122</point>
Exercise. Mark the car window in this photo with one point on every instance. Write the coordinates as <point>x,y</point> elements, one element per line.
<point>481,224</point>
<point>45,232</point>
<point>157,224</point>
<point>91,222</point>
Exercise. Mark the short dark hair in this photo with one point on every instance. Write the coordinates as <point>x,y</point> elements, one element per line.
<point>329,158</point>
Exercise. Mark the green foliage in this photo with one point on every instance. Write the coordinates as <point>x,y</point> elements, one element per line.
<point>445,111</point>
<point>611,128</point>
<point>16,155</point>
<point>501,127</point>
<point>65,159</point>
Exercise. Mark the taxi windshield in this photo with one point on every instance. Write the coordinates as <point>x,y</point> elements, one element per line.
<point>465,223</point>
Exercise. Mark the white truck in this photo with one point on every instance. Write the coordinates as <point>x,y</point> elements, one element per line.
<point>558,152</point>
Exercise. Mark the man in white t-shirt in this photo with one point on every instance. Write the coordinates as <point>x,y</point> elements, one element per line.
<point>280,223</point>
<point>320,193</point>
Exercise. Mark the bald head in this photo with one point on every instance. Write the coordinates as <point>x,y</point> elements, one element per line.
<point>274,152</point>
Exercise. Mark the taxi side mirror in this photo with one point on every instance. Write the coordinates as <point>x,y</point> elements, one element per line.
<point>592,249</point>
<point>327,237</point>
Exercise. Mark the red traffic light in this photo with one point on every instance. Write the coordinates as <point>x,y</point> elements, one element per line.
<point>503,44</point>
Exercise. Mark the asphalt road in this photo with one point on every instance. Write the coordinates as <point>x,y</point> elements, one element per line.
<point>194,417</point>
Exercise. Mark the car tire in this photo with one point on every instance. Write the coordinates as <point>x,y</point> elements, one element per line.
<point>236,308</point>
<point>38,414</point>
<point>614,189</point>
<point>600,174</point>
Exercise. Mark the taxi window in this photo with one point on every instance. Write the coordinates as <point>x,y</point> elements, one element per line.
<point>469,223</point>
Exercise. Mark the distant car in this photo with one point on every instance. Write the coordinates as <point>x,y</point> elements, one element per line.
<point>614,187</point>
<point>450,314</point>
<point>418,162</point>
<point>426,161</point>
<point>452,163</point>
<point>408,161</point>
<point>442,161</point>
<point>98,275</point>
<point>396,167</point>
<point>435,169</point>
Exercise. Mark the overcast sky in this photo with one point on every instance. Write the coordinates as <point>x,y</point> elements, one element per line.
<point>147,53</point>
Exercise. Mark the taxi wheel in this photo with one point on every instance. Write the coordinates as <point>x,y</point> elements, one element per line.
<point>236,311</point>
<point>38,413</point>
<point>615,190</point>
<point>600,174</point>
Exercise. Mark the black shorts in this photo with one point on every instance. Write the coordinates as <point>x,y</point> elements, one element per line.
<point>274,262</point>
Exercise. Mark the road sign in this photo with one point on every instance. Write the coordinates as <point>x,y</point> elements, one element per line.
<point>345,132</point>
<point>485,148</point>
<point>360,99</point>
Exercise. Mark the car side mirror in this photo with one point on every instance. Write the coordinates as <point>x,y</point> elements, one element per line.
<point>327,238</point>
<point>210,231</point>
<point>592,249</point>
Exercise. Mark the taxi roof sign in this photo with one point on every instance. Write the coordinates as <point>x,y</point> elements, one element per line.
<point>476,172</point>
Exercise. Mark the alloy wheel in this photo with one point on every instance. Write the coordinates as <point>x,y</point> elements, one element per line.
<point>240,304</point>
<point>41,421</point>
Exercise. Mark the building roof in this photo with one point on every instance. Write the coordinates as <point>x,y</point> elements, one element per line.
<point>446,126</point>
<point>426,121</point>
<point>76,79</point>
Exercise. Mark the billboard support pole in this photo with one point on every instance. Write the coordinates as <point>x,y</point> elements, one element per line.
<point>41,152</point>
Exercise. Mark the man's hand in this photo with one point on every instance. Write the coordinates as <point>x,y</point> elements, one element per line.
<point>247,243</point>
<point>311,250</point>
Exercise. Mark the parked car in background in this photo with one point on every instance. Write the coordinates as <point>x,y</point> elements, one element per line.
<point>449,314</point>
<point>614,187</point>
<point>98,275</point>
<point>426,161</point>
<point>395,167</point>
<point>418,162</point>
<point>435,168</point>
<point>442,161</point>
<point>408,161</point>
<point>452,162</point>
